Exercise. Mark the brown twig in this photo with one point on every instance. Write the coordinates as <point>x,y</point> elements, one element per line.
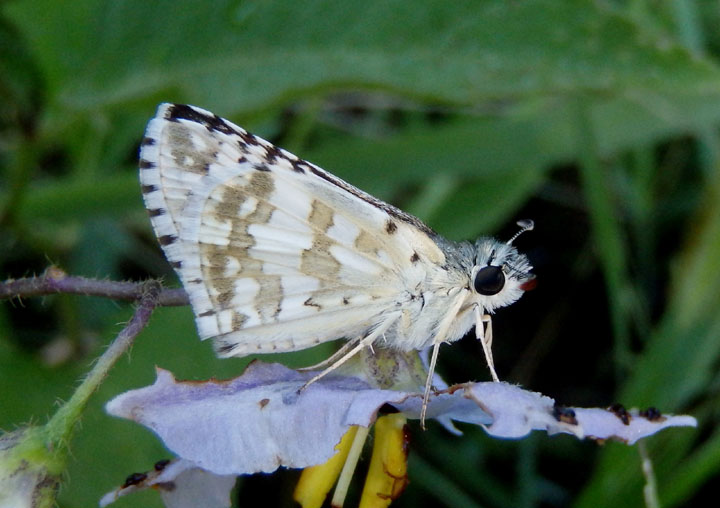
<point>55,281</point>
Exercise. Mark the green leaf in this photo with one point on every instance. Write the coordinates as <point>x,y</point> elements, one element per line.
<point>243,56</point>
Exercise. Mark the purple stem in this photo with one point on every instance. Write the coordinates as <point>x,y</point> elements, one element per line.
<point>55,281</point>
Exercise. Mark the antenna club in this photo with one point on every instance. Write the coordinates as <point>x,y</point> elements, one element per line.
<point>525,225</point>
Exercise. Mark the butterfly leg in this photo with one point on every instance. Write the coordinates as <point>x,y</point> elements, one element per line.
<point>483,332</point>
<point>440,337</point>
<point>365,342</point>
<point>334,357</point>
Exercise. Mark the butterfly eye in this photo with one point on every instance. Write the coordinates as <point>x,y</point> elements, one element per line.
<point>489,280</point>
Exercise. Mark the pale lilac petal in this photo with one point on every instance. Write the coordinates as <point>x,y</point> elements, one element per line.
<point>259,422</point>
<point>516,412</point>
<point>256,422</point>
<point>605,424</point>
<point>182,485</point>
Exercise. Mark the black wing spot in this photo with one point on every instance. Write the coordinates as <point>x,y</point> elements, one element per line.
<point>167,239</point>
<point>146,141</point>
<point>155,212</point>
<point>248,139</point>
<point>147,189</point>
<point>146,164</point>
<point>207,313</point>
<point>176,264</point>
<point>299,165</point>
<point>261,167</point>
<point>220,125</point>
<point>390,227</point>
<point>414,258</point>
<point>226,348</point>
<point>310,303</point>
<point>272,153</point>
<point>211,122</point>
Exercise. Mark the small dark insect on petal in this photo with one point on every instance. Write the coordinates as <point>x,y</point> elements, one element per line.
<point>134,479</point>
<point>564,414</point>
<point>161,464</point>
<point>652,414</point>
<point>620,411</point>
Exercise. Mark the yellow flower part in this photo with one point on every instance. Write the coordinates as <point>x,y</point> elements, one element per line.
<point>387,475</point>
<point>316,481</point>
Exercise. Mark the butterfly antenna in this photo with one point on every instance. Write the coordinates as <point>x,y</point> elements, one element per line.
<point>525,225</point>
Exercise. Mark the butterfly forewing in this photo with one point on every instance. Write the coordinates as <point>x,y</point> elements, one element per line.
<point>275,253</point>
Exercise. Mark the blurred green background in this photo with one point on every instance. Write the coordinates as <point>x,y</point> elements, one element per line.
<point>599,120</point>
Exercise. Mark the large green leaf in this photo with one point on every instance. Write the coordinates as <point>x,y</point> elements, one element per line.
<point>240,56</point>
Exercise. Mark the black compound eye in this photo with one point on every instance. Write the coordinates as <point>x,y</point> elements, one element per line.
<point>489,280</point>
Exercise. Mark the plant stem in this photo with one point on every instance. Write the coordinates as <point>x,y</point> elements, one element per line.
<point>62,423</point>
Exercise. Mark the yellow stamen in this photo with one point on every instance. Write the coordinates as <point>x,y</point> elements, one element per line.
<point>316,481</point>
<point>387,474</point>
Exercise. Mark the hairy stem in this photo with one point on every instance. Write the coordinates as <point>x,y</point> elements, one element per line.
<point>55,281</point>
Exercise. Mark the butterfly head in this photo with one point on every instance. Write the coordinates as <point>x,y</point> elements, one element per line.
<point>500,273</point>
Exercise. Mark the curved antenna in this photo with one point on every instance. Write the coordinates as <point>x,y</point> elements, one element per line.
<point>525,225</point>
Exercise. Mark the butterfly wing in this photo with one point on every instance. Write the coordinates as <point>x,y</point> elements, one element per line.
<point>275,253</point>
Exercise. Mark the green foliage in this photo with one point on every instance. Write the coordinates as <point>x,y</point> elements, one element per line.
<point>597,118</point>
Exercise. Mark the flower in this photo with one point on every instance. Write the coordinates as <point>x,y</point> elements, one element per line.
<point>266,418</point>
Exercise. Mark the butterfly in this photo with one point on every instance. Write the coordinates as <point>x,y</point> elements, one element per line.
<point>277,254</point>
